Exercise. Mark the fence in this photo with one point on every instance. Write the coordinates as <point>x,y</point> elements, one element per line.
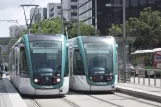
<point>150,77</point>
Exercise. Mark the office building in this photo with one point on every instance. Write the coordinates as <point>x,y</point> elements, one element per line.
<point>106,16</point>
<point>53,10</point>
<point>70,10</point>
<point>39,13</point>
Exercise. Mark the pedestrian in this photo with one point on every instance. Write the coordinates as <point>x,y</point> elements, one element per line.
<point>1,72</point>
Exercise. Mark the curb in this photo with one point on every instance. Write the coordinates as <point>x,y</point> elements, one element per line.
<point>140,93</point>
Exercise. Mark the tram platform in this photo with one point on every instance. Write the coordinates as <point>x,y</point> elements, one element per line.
<point>143,91</point>
<point>9,97</point>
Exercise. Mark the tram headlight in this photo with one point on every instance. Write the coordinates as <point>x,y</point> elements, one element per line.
<point>36,80</point>
<point>58,79</point>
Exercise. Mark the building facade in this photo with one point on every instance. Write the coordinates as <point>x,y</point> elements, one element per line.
<point>39,13</point>
<point>53,10</point>
<point>114,14</point>
<point>85,11</point>
<point>108,15</point>
<point>70,10</point>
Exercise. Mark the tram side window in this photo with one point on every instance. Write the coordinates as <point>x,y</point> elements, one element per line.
<point>9,66</point>
<point>78,67</point>
<point>66,65</point>
<point>23,61</point>
<point>70,61</point>
<point>13,60</point>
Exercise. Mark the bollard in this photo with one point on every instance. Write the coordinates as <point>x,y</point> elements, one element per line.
<point>154,78</point>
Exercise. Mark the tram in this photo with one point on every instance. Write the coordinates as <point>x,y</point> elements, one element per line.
<point>92,63</point>
<point>38,64</point>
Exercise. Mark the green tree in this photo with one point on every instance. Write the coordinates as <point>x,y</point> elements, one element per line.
<point>116,30</point>
<point>47,26</point>
<point>146,28</point>
<point>85,30</point>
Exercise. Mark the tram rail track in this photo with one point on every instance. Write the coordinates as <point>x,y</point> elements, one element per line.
<point>36,102</point>
<point>64,99</point>
<point>121,96</point>
<point>101,99</point>
<point>144,102</point>
<point>105,101</point>
<point>70,102</point>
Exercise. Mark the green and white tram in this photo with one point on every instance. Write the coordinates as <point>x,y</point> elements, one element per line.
<point>38,65</point>
<point>92,63</point>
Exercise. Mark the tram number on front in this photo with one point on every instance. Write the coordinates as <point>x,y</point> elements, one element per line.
<point>101,83</point>
<point>47,86</point>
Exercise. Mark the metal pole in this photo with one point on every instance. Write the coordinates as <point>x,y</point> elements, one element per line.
<point>124,36</point>
<point>62,20</point>
<point>95,17</point>
<point>38,22</point>
<point>78,22</point>
<point>66,30</point>
<point>124,19</point>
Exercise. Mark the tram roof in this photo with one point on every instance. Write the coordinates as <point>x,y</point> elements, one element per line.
<point>32,37</point>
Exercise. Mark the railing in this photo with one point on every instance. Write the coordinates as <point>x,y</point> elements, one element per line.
<point>150,77</point>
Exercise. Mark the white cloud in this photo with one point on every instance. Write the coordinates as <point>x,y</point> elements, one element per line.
<point>9,10</point>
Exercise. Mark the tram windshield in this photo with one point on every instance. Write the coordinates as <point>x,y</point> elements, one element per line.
<point>99,57</point>
<point>46,57</point>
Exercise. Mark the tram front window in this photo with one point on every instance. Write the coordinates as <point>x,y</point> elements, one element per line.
<point>46,58</point>
<point>99,58</point>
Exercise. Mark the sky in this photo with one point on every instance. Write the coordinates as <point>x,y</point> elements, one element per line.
<point>10,10</point>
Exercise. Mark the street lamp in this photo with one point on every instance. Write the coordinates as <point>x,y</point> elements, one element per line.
<point>62,18</point>
<point>124,32</point>
<point>124,15</point>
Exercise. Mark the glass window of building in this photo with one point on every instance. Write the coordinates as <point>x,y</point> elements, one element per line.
<point>109,21</point>
<point>117,11</point>
<point>73,6</point>
<point>108,11</point>
<point>59,7</point>
<point>151,1</point>
<point>134,3</point>
<point>134,10</point>
<point>158,5</point>
<point>52,14</point>
<point>143,4</point>
<point>127,9</point>
<point>51,9</point>
<point>117,2</point>
<point>74,0</point>
<point>108,1</point>
<point>73,13</point>
<point>117,20</point>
